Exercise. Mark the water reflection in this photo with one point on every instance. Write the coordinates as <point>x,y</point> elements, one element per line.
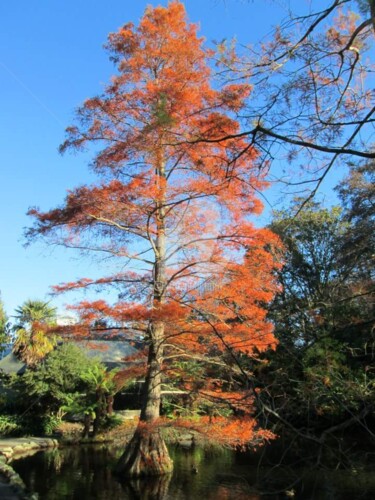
<point>152,488</point>
<point>85,473</point>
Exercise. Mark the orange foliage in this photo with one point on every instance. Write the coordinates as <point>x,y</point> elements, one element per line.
<point>168,178</point>
<point>237,433</point>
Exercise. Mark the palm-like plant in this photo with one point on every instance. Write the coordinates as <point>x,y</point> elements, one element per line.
<point>35,310</point>
<point>33,336</point>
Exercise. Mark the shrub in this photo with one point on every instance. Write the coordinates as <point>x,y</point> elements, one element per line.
<point>10,425</point>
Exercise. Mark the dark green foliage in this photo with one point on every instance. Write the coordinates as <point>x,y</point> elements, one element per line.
<point>10,425</point>
<point>358,195</point>
<point>66,381</point>
<point>51,381</point>
<point>321,374</point>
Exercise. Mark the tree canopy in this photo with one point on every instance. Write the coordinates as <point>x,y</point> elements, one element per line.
<point>320,380</point>
<point>177,214</point>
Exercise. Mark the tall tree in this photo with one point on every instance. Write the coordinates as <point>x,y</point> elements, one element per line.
<point>357,193</point>
<point>178,212</point>
<point>320,378</point>
<point>33,337</point>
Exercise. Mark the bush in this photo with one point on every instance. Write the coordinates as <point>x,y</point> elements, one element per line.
<point>10,425</point>
<point>111,422</point>
<point>67,381</point>
<point>50,423</point>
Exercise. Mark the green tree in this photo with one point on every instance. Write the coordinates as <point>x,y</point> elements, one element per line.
<point>34,331</point>
<point>357,193</point>
<point>319,378</point>
<point>95,402</point>
<point>66,381</point>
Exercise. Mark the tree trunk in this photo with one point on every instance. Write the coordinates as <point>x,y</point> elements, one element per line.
<point>86,426</point>
<point>109,402</point>
<point>100,412</point>
<point>146,454</point>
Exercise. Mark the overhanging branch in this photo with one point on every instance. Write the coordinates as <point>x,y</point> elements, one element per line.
<point>259,130</point>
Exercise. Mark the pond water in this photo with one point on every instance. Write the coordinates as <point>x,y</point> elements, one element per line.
<point>84,473</point>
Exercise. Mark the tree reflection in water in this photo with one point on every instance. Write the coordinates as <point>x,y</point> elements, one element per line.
<point>151,488</point>
<point>85,473</point>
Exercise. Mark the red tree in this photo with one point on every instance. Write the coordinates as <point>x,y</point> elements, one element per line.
<point>181,210</point>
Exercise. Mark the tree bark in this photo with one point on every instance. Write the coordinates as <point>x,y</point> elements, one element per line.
<point>146,454</point>
<point>86,426</point>
<point>109,403</point>
<point>100,412</point>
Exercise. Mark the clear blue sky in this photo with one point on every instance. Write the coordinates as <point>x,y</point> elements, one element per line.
<point>51,59</point>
